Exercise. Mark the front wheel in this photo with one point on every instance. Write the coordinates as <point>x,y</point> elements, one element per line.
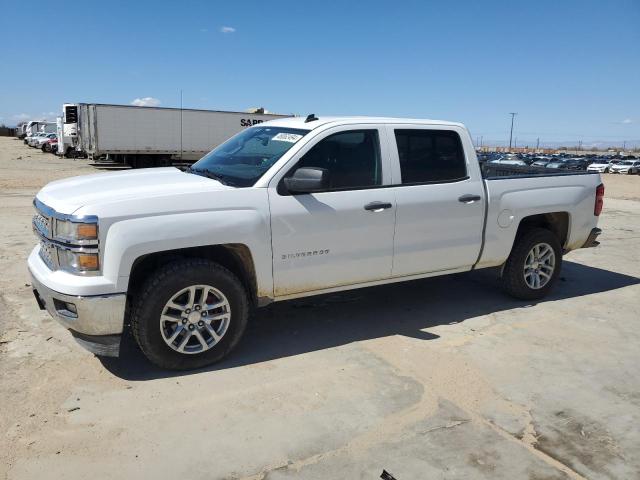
<point>189,314</point>
<point>533,265</point>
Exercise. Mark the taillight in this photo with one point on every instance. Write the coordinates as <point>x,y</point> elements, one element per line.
<point>597,209</point>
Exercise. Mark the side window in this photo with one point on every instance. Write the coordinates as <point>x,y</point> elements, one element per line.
<point>352,159</point>
<point>430,156</point>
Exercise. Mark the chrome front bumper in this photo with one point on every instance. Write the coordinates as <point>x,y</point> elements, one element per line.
<point>97,321</point>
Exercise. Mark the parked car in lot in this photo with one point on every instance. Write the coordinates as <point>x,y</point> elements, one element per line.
<point>508,161</point>
<point>557,164</point>
<point>575,164</point>
<point>599,165</point>
<point>34,137</point>
<point>629,167</point>
<point>38,143</point>
<point>541,162</point>
<point>51,145</point>
<point>291,208</point>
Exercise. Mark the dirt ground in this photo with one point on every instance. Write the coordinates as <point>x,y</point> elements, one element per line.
<point>441,378</point>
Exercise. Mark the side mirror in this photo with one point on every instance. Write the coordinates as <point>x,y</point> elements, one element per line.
<point>307,180</point>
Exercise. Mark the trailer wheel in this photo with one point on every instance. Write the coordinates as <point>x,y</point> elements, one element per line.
<point>533,265</point>
<point>189,314</point>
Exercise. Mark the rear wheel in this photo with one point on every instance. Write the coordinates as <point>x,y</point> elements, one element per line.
<point>533,265</point>
<point>190,314</point>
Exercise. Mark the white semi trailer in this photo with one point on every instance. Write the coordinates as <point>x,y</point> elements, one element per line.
<point>148,136</point>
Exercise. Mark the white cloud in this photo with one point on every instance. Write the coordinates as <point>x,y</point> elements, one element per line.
<point>204,30</point>
<point>627,121</point>
<point>20,117</point>
<point>227,29</point>
<point>146,102</point>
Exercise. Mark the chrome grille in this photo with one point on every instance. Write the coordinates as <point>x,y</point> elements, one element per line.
<point>52,245</point>
<point>49,254</point>
<point>43,227</point>
<point>42,224</point>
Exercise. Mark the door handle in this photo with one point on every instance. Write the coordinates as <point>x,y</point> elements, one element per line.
<point>469,198</point>
<point>377,206</point>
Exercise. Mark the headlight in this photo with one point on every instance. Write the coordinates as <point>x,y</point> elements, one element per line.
<point>78,261</point>
<point>74,231</point>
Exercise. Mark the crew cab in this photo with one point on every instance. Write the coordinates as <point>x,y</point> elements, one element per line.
<point>290,208</point>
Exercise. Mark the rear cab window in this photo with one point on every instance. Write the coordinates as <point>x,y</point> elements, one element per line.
<point>430,156</point>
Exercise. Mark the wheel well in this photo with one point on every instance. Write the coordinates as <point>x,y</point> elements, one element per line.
<point>234,257</point>
<point>556,222</point>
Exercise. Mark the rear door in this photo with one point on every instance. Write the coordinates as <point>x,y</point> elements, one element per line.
<point>334,238</point>
<point>440,199</point>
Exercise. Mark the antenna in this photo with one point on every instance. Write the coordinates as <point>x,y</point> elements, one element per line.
<point>311,118</point>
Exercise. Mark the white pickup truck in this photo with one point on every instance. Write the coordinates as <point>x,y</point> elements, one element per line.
<point>290,208</point>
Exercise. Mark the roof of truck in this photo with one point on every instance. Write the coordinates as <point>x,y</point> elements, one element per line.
<point>300,122</point>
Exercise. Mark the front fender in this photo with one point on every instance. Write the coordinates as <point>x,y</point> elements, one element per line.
<point>130,239</point>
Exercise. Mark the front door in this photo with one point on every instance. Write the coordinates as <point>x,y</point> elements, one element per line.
<point>335,237</point>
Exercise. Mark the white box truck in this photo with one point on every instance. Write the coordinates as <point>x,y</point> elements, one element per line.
<point>36,126</point>
<point>149,136</point>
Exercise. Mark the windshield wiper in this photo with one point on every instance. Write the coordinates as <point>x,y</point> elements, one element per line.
<point>210,174</point>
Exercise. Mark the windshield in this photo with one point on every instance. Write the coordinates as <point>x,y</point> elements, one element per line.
<point>245,157</point>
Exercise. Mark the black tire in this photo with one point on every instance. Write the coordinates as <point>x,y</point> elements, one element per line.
<point>159,288</point>
<point>513,280</point>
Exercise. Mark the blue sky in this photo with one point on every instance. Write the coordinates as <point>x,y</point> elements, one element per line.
<point>571,69</point>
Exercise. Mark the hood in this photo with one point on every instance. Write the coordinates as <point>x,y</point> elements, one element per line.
<point>68,195</point>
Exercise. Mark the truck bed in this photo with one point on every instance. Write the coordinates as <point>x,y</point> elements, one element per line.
<point>516,193</point>
<point>492,171</point>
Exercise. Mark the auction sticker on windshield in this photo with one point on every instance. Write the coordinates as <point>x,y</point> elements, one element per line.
<point>287,137</point>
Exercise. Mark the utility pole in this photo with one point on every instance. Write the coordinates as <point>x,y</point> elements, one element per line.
<point>481,139</point>
<point>513,114</point>
<point>538,143</point>
<point>180,124</point>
